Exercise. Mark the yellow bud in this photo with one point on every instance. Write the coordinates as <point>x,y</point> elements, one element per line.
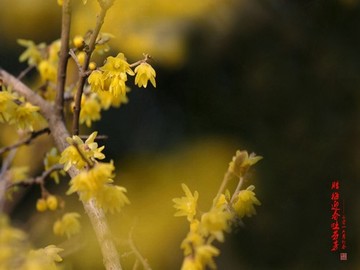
<point>81,57</point>
<point>41,205</point>
<point>58,228</point>
<point>92,65</point>
<point>52,202</point>
<point>78,41</point>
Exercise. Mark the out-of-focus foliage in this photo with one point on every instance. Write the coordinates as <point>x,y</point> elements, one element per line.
<point>159,26</point>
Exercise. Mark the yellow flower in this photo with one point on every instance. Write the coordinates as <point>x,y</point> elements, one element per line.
<point>193,238</point>
<point>241,163</point>
<point>47,70</point>
<point>89,183</point>
<point>144,73</point>
<point>186,206</point>
<point>90,110</point>
<point>111,198</point>
<point>18,174</point>
<point>78,41</point>
<point>52,158</point>
<point>90,150</point>
<point>68,225</point>
<point>107,99</point>
<point>204,256</point>
<point>41,205</point>
<point>52,252</point>
<point>96,81</point>
<point>215,222</point>
<point>26,116</point>
<point>244,202</point>
<point>52,202</point>
<point>117,85</point>
<point>7,106</point>
<point>32,53</point>
<point>117,65</point>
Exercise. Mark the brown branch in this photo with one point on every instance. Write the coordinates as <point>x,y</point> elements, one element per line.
<point>64,56</point>
<point>38,180</point>
<point>25,71</point>
<point>28,140</point>
<point>82,79</point>
<point>59,134</point>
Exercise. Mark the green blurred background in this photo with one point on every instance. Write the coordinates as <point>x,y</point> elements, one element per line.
<point>280,78</point>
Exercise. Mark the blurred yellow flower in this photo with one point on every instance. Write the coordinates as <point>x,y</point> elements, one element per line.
<point>52,158</point>
<point>90,110</point>
<point>112,198</point>
<point>241,163</point>
<point>186,206</point>
<point>32,53</point>
<point>89,183</point>
<point>144,73</point>
<point>244,202</point>
<point>68,225</point>
<point>215,222</point>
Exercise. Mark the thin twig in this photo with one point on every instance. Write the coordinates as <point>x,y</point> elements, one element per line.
<point>38,180</point>
<point>28,140</point>
<point>241,181</point>
<point>82,79</point>
<point>63,58</point>
<point>137,253</point>
<point>3,181</point>
<point>222,187</point>
<point>25,71</point>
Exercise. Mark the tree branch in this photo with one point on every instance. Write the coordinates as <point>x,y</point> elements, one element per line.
<point>32,136</point>
<point>60,133</point>
<point>82,79</point>
<point>64,56</point>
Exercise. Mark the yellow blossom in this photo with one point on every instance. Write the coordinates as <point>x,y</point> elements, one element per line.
<point>117,85</point>
<point>90,110</point>
<point>7,105</point>
<point>215,222</point>
<point>78,41</point>
<point>193,238</point>
<point>52,158</point>
<point>186,206</point>
<point>107,99</point>
<point>89,183</point>
<point>204,256</point>
<point>68,225</point>
<point>89,149</point>
<point>32,53</point>
<point>111,198</point>
<point>52,202</point>
<point>41,205</point>
<point>117,65</point>
<point>244,202</point>
<point>18,174</point>
<point>241,163</point>
<point>96,80</point>
<point>47,70</point>
<point>144,73</point>
<point>26,116</point>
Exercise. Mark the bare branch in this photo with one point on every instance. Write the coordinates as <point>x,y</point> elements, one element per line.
<point>64,56</point>
<point>28,140</point>
<point>82,79</point>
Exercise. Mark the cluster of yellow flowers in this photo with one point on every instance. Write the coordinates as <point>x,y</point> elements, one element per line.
<point>15,110</point>
<point>95,179</point>
<point>198,249</point>
<point>16,252</point>
<point>112,76</point>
